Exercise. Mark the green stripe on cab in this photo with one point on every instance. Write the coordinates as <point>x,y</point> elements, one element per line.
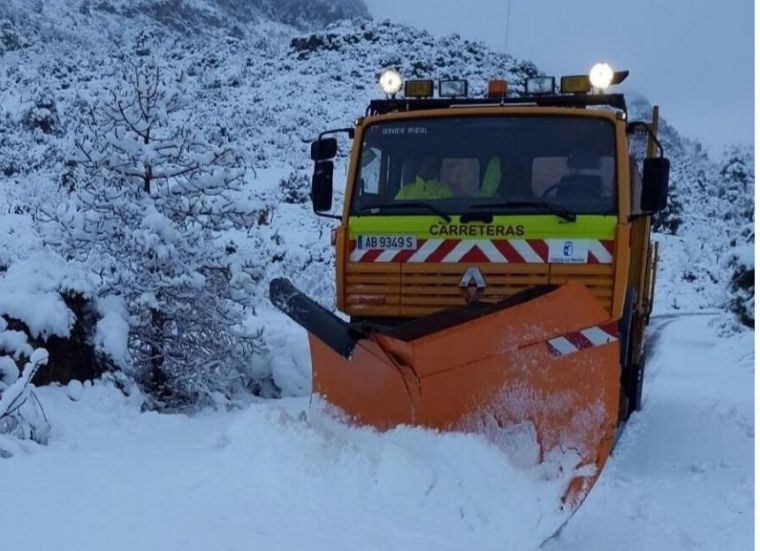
<point>534,226</point>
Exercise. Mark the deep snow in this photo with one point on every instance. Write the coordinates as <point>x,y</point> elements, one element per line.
<point>681,476</point>
<point>269,476</point>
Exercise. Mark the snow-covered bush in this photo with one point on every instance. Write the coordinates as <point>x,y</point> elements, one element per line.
<point>736,190</point>
<point>153,198</point>
<point>21,415</point>
<point>740,261</point>
<point>43,114</point>
<point>9,38</point>
<point>737,185</point>
<point>671,218</point>
<point>48,302</point>
<point>295,188</point>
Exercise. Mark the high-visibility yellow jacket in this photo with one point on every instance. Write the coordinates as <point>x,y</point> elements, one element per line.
<point>425,189</point>
<point>433,189</point>
<point>491,179</point>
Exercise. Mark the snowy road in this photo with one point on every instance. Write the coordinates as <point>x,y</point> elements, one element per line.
<point>113,478</point>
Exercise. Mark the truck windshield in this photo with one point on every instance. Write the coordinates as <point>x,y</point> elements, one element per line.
<point>512,163</point>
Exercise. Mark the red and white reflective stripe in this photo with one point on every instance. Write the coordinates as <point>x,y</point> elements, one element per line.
<point>576,341</point>
<point>600,252</point>
<point>459,250</point>
<point>425,250</point>
<point>504,251</point>
<point>527,252</point>
<point>357,254</point>
<point>387,255</point>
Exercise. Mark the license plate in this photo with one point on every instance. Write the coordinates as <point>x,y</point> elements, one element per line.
<point>387,242</point>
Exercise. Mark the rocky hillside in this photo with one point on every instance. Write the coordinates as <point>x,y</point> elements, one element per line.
<point>267,76</point>
<point>103,20</point>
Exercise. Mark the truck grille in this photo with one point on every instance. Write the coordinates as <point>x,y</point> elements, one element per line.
<point>411,290</point>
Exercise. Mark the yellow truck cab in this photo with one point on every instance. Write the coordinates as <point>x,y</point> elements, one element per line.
<point>454,199</point>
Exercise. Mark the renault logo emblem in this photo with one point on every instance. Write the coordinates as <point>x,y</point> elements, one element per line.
<point>472,284</point>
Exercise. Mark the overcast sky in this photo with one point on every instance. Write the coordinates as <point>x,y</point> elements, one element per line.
<point>692,57</point>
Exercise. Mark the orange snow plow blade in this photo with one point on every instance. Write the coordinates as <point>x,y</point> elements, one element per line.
<point>547,359</point>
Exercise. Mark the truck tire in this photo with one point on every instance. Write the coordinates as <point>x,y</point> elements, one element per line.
<point>637,386</point>
<point>627,371</point>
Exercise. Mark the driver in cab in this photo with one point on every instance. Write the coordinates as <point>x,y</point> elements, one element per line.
<point>427,184</point>
<point>453,178</point>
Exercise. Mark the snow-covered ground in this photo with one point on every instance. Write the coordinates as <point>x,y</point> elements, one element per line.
<point>271,477</point>
<point>681,476</point>
<point>275,474</point>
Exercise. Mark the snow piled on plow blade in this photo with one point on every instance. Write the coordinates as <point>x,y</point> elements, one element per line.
<point>267,477</point>
<point>463,489</point>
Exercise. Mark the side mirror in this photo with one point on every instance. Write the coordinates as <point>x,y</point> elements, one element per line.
<point>654,192</point>
<point>324,149</point>
<point>322,186</point>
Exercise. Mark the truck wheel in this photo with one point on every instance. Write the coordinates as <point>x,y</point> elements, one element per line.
<point>628,384</point>
<point>625,327</point>
<point>637,386</point>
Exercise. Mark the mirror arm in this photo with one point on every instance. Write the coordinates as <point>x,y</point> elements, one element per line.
<point>639,124</point>
<point>349,131</point>
<point>333,216</point>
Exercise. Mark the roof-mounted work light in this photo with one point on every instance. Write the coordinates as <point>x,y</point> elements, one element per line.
<point>454,88</point>
<point>575,84</point>
<point>418,88</point>
<point>391,82</point>
<point>600,76</point>
<point>539,85</point>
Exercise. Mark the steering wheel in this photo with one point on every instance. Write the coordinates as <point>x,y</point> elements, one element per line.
<point>581,187</point>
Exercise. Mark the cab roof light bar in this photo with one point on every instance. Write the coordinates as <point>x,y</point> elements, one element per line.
<point>382,106</point>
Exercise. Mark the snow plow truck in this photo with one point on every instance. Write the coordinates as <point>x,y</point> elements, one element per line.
<point>493,262</point>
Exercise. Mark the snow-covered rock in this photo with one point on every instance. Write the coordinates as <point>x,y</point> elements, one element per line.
<point>74,390</point>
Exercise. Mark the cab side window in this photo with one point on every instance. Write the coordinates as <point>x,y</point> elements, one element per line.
<point>371,169</point>
<point>636,186</point>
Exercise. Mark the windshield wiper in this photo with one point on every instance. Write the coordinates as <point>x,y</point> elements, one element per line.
<point>408,205</point>
<point>557,210</point>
